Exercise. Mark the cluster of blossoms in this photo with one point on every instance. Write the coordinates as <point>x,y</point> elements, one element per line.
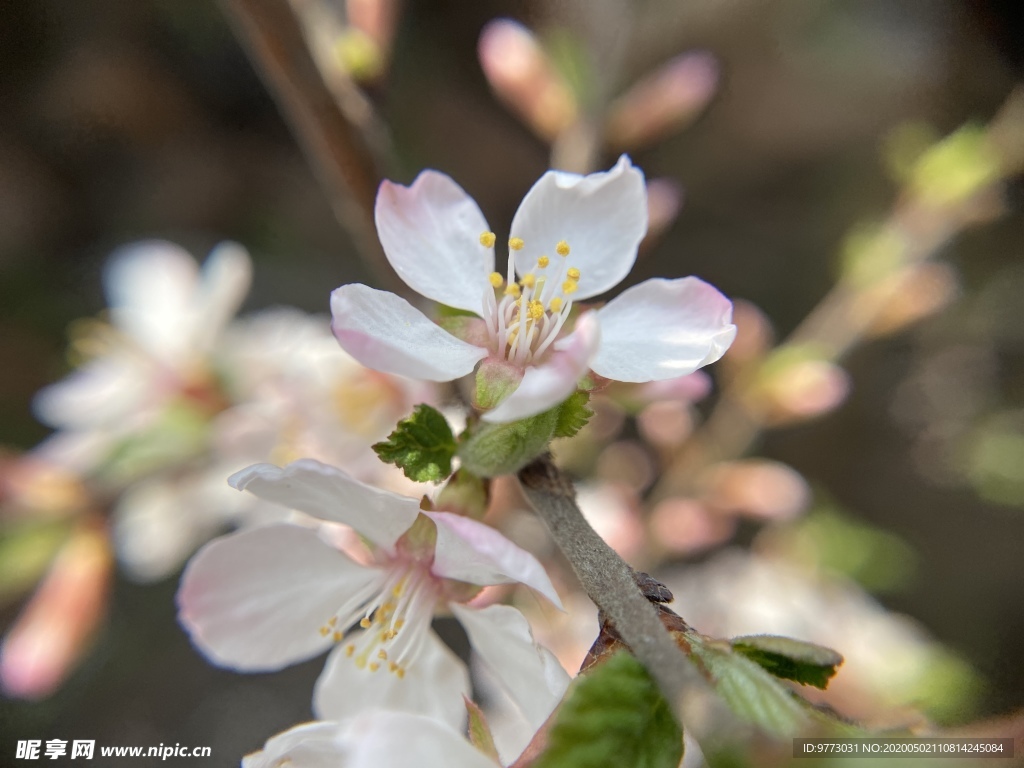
<point>270,596</point>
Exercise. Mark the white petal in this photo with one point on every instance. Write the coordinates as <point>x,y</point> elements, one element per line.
<point>431,235</point>
<point>150,287</point>
<point>256,600</point>
<point>548,384</point>
<point>433,685</point>
<point>528,672</point>
<point>662,329</point>
<point>310,745</point>
<point>473,552</point>
<point>104,391</point>
<point>327,493</point>
<point>226,278</point>
<point>603,218</point>
<point>385,332</point>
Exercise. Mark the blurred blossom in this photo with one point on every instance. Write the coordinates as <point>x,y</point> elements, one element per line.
<point>664,201</point>
<point>681,526</point>
<point>626,463</point>
<point>754,336</point>
<point>792,389</point>
<point>524,78</point>
<point>685,389</point>
<point>32,486</point>
<point>665,424</point>
<point>363,47</point>
<point>663,101</point>
<point>915,293</point>
<point>613,511</point>
<point>892,671</point>
<point>759,488</point>
<point>56,626</point>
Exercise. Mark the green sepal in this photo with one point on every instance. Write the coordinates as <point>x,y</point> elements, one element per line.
<point>614,715</point>
<point>573,415</point>
<point>480,732</point>
<point>422,445</point>
<point>465,494</point>
<point>490,449</point>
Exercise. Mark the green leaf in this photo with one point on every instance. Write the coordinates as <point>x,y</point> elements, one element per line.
<point>422,445</point>
<point>501,449</point>
<point>806,663</point>
<point>480,732</point>
<point>573,415</point>
<point>614,715</point>
<point>749,691</point>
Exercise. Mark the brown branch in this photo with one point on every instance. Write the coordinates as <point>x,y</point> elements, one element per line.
<point>333,146</point>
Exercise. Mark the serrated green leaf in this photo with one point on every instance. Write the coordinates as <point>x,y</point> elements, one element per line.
<point>806,663</point>
<point>501,449</point>
<point>573,415</point>
<point>749,691</point>
<point>422,445</point>
<point>614,715</point>
<point>480,732</point>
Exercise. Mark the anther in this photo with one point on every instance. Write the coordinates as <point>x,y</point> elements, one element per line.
<point>374,666</point>
<point>535,310</point>
<point>516,244</point>
<point>333,621</point>
<point>324,631</point>
<point>572,273</point>
<point>382,654</point>
<point>543,261</point>
<point>512,289</point>
<point>365,623</point>
<point>393,666</point>
<point>496,279</point>
<point>562,249</point>
<point>336,637</point>
<point>555,305</point>
<point>528,280</point>
<point>487,239</point>
<point>569,287</point>
<point>349,650</point>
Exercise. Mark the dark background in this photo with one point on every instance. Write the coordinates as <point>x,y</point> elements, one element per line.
<point>125,119</point>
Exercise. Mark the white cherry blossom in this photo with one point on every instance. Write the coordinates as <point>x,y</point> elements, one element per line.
<point>573,238</point>
<point>267,597</point>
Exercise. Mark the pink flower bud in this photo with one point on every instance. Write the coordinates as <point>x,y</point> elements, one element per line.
<point>521,76</point>
<point>663,102</point>
<point>757,488</point>
<point>684,526</point>
<point>664,200</point>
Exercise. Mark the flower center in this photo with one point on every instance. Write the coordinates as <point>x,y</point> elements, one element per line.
<point>395,611</point>
<point>530,313</point>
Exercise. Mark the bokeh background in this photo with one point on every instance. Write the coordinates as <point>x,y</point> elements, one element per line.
<point>129,119</point>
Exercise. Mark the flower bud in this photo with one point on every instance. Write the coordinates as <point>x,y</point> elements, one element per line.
<point>664,201</point>
<point>663,102</point>
<point>522,76</point>
<point>683,526</point>
<point>795,385</point>
<point>768,490</point>
<point>921,290</point>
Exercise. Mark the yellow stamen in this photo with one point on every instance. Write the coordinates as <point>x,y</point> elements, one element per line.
<point>512,289</point>
<point>393,666</point>
<point>400,623</point>
<point>365,623</point>
<point>400,672</point>
<point>555,305</point>
<point>382,654</point>
<point>528,280</point>
<point>349,650</point>
<point>562,249</point>
<point>374,666</point>
<point>535,310</point>
<point>572,273</point>
<point>333,621</point>
<point>487,239</point>
<point>496,279</point>
<point>324,631</point>
<point>516,243</point>
<point>569,287</point>
<point>543,261</point>
<point>336,637</point>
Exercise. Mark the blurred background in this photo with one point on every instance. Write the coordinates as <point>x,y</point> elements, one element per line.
<point>132,119</point>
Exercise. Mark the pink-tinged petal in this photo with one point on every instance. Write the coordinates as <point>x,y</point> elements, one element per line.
<point>662,329</point>
<point>478,554</point>
<point>226,278</point>
<point>257,600</point>
<point>377,739</point>
<point>103,392</point>
<point>327,493</point>
<point>546,385</point>
<point>602,217</point>
<point>433,685</point>
<point>310,745</point>
<point>528,672</point>
<point>431,235</point>
<point>385,332</point>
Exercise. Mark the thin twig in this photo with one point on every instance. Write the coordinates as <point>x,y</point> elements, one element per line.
<point>333,147</point>
<point>610,583</point>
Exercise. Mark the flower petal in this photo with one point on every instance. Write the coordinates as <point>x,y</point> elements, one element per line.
<point>385,332</point>
<point>433,685</point>
<point>603,218</point>
<point>256,600</point>
<point>376,739</point>
<point>327,493</point>
<point>431,235</point>
<point>473,552</point>
<point>226,278</point>
<point>548,384</point>
<point>528,672</point>
<point>661,329</point>
<point>106,391</point>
